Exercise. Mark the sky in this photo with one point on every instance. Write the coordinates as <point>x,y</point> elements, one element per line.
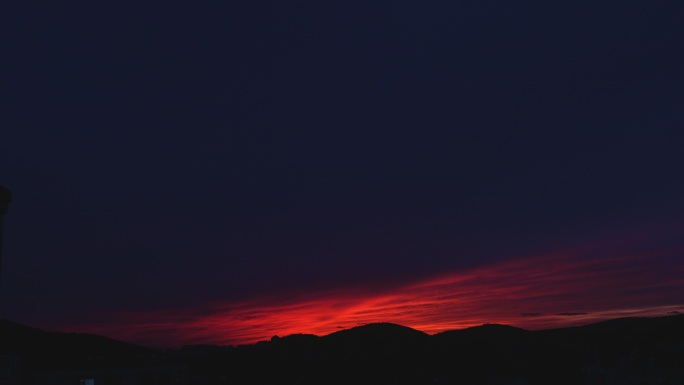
<point>222,172</point>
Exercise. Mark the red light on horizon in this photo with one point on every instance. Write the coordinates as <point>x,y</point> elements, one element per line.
<point>532,293</point>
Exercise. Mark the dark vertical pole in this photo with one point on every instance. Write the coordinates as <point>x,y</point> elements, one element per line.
<point>5,198</point>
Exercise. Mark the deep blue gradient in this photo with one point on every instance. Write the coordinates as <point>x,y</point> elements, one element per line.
<point>163,155</point>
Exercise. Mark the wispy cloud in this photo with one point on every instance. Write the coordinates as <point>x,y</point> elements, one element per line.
<point>565,289</point>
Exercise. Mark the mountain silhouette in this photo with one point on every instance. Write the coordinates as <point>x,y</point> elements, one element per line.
<point>375,336</point>
<point>626,349</point>
<point>21,339</point>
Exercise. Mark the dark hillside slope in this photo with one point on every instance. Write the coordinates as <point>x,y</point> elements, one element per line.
<point>377,352</point>
<point>40,351</point>
<point>489,350</point>
<point>385,353</point>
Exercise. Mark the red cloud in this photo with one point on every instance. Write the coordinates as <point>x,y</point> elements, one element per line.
<point>551,287</point>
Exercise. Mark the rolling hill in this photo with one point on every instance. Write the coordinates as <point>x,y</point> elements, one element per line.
<point>631,349</point>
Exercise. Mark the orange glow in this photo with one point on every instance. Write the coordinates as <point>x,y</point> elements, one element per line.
<point>532,293</point>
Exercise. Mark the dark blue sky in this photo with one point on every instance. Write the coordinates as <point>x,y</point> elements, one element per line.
<point>166,154</point>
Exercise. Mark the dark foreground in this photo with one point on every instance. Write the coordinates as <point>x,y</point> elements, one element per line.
<point>620,351</point>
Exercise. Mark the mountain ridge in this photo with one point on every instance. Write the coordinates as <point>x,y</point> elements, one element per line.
<point>389,353</point>
<point>11,330</point>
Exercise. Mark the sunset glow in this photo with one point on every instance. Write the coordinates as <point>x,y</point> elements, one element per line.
<point>533,293</point>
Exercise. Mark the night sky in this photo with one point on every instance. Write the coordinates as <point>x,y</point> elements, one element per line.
<point>196,172</point>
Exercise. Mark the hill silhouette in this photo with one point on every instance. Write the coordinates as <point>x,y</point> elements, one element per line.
<point>21,339</point>
<point>626,349</point>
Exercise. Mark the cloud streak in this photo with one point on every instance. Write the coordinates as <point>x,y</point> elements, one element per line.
<point>533,293</point>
